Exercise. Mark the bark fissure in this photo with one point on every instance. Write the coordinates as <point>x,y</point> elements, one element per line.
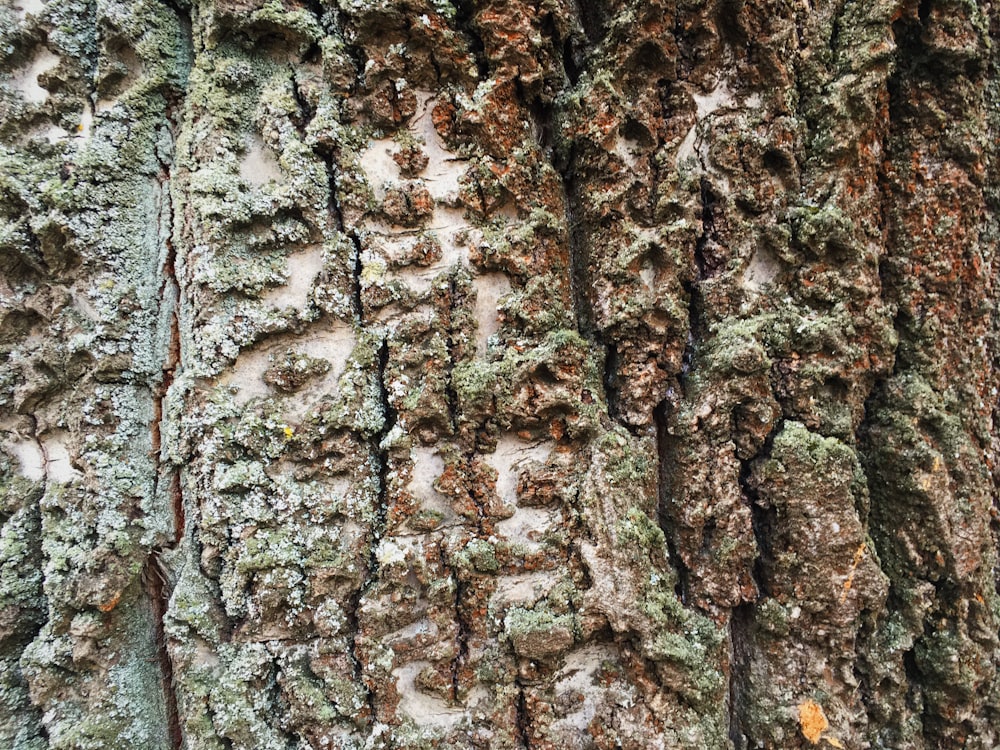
<point>461,639</point>
<point>157,584</point>
<point>579,261</point>
<point>378,452</point>
<point>167,484</point>
<point>581,282</point>
<point>451,395</point>
<point>522,718</point>
<point>465,23</point>
<point>664,457</point>
<point>170,302</point>
<point>741,624</point>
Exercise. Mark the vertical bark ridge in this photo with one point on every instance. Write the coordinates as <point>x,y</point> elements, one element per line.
<point>952,197</point>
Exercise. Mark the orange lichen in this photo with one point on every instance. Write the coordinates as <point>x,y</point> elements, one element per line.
<point>111,603</point>
<point>859,553</point>
<point>812,721</point>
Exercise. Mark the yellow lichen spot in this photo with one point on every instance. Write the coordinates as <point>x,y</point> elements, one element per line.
<point>835,742</point>
<point>812,721</point>
<point>289,432</point>
<point>373,271</point>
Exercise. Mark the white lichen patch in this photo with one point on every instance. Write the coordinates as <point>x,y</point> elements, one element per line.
<point>29,456</point>
<point>761,270</point>
<point>303,268</point>
<point>626,150</point>
<point>686,150</point>
<point>103,105</point>
<point>719,98</point>
<point>448,225</point>
<point>511,454</point>
<point>25,8</point>
<point>647,274</point>
<point>423,709</point>
<point>54,134</point>
<point>490,289</point>
<point>577,684</point>
<point>444,169</point>
<point>58,466</point>
<point>427,467</point>
<point>421,631</point>
<point>523,589</point>
<point>45,459</point>
<point>397,551</point>
<point>25,80</point>
<point>259,165</point>
<point>527,526</point>
<point>451,228</point>
<point>245,377</point>
<point>379,166</point>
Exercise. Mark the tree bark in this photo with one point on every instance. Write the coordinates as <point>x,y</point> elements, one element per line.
<point>498,374</point>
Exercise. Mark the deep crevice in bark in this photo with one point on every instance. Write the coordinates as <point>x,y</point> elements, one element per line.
<point>593,19</point>
<point>157,580</point>
<point>157,586</point>
<point>465,23</point>
<point>741,625</point>
<point>579,260</point>
<point>763,519</point>
<point>451,395</point>
<point>581,282</point>
<point>170,300</point>
<point>664,450</point>
<point>461,638</point>
<point>522,718</point>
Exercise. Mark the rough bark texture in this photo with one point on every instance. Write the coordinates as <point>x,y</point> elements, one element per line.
<point>498,374</point>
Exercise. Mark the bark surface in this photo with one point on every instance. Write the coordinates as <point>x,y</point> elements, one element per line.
<point>542,374</point>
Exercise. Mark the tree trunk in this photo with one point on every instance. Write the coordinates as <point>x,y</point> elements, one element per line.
<point>498,374</point>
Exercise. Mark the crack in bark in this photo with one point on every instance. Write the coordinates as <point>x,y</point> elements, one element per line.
<point>741,623</point>
<point>170,299</point>
<point>461,637</point>
<point>378,451</point>
<point>154,575</point>
<point>593,20</point>
<point>762,520</point>
<point>580,282</point>
<point>663,453</point>
<point>522,724</point>
<point>465,24</point>
<point>451,395</point>
<point>742,619</point>
<point>157,583</point>
<point>576,238</point>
